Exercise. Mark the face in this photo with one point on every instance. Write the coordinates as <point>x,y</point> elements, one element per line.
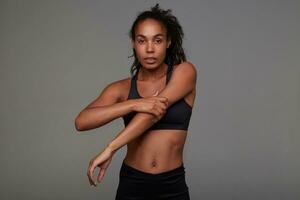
<point>150,43</point>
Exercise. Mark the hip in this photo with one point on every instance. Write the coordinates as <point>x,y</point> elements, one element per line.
<point>140,184</point>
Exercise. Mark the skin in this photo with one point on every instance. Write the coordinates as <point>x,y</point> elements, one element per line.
<point>153,151</point>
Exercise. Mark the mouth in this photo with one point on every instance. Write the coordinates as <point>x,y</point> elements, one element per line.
<point>150,60</point>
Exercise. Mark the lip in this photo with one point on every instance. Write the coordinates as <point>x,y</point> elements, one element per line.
<point>150,59</point>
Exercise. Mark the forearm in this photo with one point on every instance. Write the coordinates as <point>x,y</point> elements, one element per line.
<point>137,126</point>
<point>95,117</point>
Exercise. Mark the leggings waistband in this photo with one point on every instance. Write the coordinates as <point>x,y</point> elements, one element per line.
<point>177,170</point>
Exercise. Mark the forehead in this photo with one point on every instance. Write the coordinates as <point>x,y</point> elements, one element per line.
<point>150,28</point>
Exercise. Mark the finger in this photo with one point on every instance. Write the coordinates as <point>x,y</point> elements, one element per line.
<point>163,100</point>
<point>89,178</point>
<point>161,105</point>
<point>155,112</point>
<point>161,111</point>
<point>158,112</point>
<point>91,182</point>
<point>90,175</point>
<point>101,174</point>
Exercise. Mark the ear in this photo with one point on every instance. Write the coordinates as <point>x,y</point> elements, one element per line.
<point>132,43</point>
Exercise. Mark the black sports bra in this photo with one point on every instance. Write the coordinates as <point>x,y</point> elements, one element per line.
<point>177,116</point>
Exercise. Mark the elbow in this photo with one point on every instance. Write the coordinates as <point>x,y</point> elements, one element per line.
<point>78,125</point>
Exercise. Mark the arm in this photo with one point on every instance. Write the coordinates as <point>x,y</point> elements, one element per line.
<point>95,117</point>
<point>104,109</point>
<point>182,82</point>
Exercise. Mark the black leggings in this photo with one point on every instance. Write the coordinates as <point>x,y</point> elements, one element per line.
<point>138,185</point>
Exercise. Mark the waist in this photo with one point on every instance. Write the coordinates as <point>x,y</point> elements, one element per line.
<point>156,151</point>
<point>153,162</point>
<point>129,170</point>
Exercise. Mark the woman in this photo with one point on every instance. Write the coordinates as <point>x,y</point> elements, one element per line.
<point>156,105</point>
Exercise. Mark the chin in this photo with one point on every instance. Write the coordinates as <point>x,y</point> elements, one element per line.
<point>150,66</point>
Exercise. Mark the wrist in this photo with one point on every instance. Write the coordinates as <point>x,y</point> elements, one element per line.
<point>112,148</point>
<point>132,104</point>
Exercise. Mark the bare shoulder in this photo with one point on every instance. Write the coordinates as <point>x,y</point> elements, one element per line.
<point>186,67</point>
<point>185,70</point>
<point>125,87</point>
<point>119,87</point>
<point>120,83</point>
<point>113,92</point>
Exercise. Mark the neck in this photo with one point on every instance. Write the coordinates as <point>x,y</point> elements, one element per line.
<point>152,74</point>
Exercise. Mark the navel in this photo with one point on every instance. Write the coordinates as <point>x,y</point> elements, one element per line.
<point>153,163</point>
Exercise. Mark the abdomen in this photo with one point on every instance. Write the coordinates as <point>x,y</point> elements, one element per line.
<point>157,150</point>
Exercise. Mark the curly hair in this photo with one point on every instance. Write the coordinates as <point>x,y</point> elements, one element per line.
<point>175,53</point>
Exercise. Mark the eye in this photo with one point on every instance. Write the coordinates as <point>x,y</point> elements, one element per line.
<point>158,41</point>
<point>140,41</point>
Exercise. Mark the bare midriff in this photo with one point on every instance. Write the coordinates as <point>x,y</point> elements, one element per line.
<point>156,151</point>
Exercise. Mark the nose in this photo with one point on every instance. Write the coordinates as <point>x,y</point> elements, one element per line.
<point>149,47</point>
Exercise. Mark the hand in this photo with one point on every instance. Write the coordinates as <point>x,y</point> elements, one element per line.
<point>153,105</point>
<point>102,160</point>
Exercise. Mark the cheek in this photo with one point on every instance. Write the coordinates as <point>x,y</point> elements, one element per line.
<point>139,52</point>
<point>162,52</point>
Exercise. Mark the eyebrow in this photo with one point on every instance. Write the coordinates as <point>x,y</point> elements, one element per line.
<point>159,34</point>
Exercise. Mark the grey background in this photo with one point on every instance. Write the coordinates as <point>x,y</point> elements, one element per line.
<point>57,56</point>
